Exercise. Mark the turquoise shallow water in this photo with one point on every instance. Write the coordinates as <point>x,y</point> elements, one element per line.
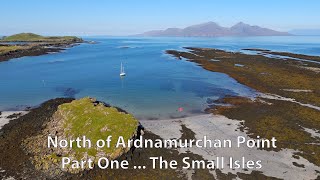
<point>156,84</point>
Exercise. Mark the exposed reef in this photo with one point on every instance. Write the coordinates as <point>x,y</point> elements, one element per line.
<point>275,112</point>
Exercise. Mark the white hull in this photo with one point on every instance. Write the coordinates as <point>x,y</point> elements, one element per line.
<point>122,73</point>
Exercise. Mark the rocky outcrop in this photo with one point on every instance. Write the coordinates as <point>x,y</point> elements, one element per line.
<point>77,119</point>
<point>15,162</point>
<point>28,44</point>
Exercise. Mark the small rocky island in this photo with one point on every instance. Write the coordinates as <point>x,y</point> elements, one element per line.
<point>29,44</point>
<point>25,140</point>
<point>84,117</point>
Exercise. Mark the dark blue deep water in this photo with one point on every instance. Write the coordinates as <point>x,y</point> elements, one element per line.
<point>156,84</point>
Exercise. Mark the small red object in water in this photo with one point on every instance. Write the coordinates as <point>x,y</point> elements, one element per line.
<point>180,109</point>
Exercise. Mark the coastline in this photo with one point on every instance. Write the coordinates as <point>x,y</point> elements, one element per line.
<point>266,116</point>
<point>32,124</point>
<point>160,90</point>
<point>7,116</point>
<point>13,156</point>
<point>36,49</point>
<point>276,112</point>
<point>30,44</point>
<point>277,164</point>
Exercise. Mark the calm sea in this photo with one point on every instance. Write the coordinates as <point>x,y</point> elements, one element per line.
<point>156,85</point>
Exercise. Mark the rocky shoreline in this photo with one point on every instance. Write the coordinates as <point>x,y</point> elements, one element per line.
<point>284,54</point>
<point>81,117</point>
<point>34,49</point>
<point>275,111</point>
<point>30,44</point>
<point>22,143</point>
<point>17,163</point>
<point>7,116</point>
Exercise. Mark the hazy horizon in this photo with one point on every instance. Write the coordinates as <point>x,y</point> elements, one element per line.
<point>125,17</point>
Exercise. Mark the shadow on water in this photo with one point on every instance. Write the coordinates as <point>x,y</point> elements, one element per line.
<point>67,91</point>
<point>203,89</point>
<point>167,86</point>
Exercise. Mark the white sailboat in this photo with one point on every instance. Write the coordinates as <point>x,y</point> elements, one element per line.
<point>122,73</point>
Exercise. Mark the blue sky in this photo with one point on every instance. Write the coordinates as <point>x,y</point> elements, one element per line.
<point>122,17</point>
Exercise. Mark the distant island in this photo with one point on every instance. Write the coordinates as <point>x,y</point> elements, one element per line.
<point>30,44</point>
<point>31,37</point>
<point>212,29</point>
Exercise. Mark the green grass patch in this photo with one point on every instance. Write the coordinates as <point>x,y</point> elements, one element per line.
<point>83,118</point>
<point>7,49</point>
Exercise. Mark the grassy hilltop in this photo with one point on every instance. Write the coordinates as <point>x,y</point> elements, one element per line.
<point>33,45</point>
<point>31,37</point>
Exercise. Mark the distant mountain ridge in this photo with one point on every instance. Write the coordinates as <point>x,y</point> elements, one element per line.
<point>212,29</point>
